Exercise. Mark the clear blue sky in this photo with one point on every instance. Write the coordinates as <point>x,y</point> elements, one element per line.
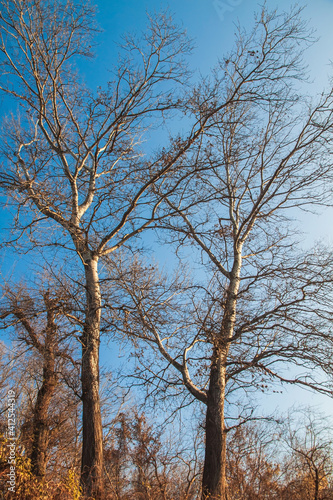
<point>212,25</point>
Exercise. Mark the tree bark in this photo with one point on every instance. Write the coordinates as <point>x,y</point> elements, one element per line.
<point>214,478</point>
<point>40,420</point>
<point>316,497</point>
<point>214,474</point>
<point>92,439</point>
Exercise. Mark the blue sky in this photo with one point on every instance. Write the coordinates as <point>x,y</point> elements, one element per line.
<point>212,25</point>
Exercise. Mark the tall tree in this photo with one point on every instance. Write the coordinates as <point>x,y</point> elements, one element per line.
<point>72,160</point>
<point>260,303</point>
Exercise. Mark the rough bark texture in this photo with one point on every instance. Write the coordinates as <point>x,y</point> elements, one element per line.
<point>214,474</point>
<point>40,421</point>
<point>316,497</point>
<point>214,479</point>
<point>92,439</point>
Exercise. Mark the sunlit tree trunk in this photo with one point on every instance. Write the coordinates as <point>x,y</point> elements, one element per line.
<point>92,439</point>
<point>214,474</point>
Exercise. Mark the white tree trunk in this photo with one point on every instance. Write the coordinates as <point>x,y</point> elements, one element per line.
<point>92,439</point>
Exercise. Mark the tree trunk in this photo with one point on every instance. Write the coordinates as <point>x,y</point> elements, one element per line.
<point>214,473</point>
<point>40,420</point>
<point>316,497</point>
<point>214,478</point>
<point>92,439</point>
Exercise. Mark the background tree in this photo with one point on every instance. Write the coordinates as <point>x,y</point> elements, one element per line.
<point>308,465</point>
<point>146,464</point>
<point>44,336</point>
<point>253,463</point>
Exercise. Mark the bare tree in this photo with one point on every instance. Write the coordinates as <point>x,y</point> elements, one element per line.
<point>253,463</point>
<point>146,464</point>
<point>308,466</point>
<point>72,159</point>
<point>40,319</point>
<point>259,312</point>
